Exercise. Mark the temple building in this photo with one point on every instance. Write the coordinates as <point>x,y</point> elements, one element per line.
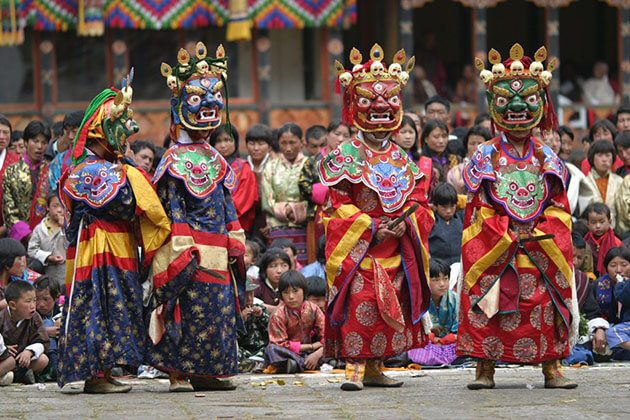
<point>57,53</point>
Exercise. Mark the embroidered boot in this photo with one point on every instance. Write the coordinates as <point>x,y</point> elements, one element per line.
<point>179,384</point>
<point>374,375</point>
<point>484,375</point>
<point>355,371</point>
<point>554,377</point>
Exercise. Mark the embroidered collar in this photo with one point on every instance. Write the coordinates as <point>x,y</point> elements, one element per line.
<point>198,165</point>
<point>389,172</point>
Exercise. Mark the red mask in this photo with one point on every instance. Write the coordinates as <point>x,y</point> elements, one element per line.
<point>377,105</point>
<point>372,99</point>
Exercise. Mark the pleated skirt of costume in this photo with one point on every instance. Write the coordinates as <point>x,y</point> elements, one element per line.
<point>205,344</point>
<point>365,334</point>
<point>102,324</point>
<point>532,334</point>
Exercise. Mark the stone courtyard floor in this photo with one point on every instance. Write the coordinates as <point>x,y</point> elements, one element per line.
<point>603,392</point>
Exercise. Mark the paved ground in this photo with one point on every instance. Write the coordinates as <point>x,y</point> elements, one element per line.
<point>604,392</point>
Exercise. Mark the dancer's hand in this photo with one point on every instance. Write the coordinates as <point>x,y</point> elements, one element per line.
<point>383,233</point>
<point>399,229</point>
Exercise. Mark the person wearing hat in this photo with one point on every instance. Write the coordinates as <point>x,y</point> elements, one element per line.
<point>251,344</point>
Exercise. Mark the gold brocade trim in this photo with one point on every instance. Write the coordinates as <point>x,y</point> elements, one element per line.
<point>176,246</point>
<point>386,263</point>
<point>523,261</point>
<point>475,229</point>
<point>154,224</point>
<point>237,235</point>
<point>120,244</point>
<point>213,257</point>
<point>488,259</point>
<point>352,236</point>
<point>425,251</point>
<point>69,272</point>
<point>550,246</point>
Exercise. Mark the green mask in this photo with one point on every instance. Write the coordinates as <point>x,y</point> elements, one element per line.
<point>516,104</point>
<point>117,130</point>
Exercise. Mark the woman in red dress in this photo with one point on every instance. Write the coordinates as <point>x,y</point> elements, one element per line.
<point>245,192</point>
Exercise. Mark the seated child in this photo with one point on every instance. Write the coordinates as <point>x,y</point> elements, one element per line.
<point>583,256</point>
<point>252,256</point>
<point>273,263</point>
<point>23,334</point>
<point>587,305</point>
<point>445,239</point>
<point>291,329</point>
<point>47,292</point>
<point>318,268</point>
<point>617,262</point>
<point>287,246</point>
<point>586,301</point>
<point>12,266</point>
<point>618,336</point>
<point>601,236</point>
<point>317,291</point>
<point>252,341</point>
<point>443,310</point>
<point>47,243</point>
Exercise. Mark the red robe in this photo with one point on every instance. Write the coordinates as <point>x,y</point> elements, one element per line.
<point>245,193</point>
<point>516,297</point>
<point>378,291</point>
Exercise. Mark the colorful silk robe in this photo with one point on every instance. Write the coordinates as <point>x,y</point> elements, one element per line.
<point>193,328</point>
<point>280,186</point>
<point>8,158</point>
<point>113,210</point>
<point>445,314</point>
<point>24,195</point>
<point>291,328</point>
<point>244,192</point>
<point>378,291</point>
<point>60,164</point>
<point>516,297</point>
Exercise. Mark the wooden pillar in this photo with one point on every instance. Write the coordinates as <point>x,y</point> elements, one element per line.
<point>480,48</point>
<point>263,46</point>
<point>405,40</point>
<point>624,51</point>
<point>46,58</point>
<point>334,45</point>
<point>552,20</point>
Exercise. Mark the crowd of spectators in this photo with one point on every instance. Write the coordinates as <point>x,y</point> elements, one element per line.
<point>279,202</point>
